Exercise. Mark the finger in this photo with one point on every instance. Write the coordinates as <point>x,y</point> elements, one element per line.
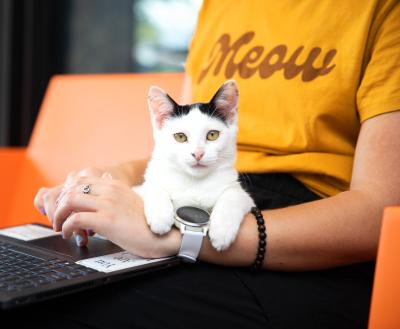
<point>49,202</point>
<point>81,238</point>
<point>74,202</point>
<point>81,220</point>
<point>38,200</point>
<point>98,185</point>
<point>86,172</point>
<point>78,188</point>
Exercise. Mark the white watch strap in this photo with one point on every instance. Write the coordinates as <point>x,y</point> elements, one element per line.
<point>191,244</point>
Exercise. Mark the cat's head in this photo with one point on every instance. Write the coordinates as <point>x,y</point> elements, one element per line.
<point>196,138</point>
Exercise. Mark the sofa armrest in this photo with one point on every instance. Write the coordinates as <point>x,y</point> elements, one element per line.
<point>386,293</point>
<point>11,160</point>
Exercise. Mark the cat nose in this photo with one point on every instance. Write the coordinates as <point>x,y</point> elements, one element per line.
<point>198,155</point>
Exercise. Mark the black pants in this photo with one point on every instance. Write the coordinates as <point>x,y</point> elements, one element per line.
<point>210,296</point>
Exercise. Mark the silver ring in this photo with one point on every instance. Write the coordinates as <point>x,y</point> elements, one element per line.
<point>87,189</point>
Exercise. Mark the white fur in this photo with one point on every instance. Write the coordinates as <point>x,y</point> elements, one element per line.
<point>171,181</point>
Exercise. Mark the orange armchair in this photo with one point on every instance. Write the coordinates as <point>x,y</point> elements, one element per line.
<point>85,120</point>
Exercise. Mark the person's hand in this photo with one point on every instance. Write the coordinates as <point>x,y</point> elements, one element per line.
<point>113,210</point>
<point>47,197</point>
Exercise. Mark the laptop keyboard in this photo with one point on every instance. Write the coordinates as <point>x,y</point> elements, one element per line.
<point>19,270</point>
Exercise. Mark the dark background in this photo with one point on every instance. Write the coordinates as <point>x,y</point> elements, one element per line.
<point>40,38</point>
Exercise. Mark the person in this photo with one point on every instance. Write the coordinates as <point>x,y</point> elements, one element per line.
<point>318,149</point>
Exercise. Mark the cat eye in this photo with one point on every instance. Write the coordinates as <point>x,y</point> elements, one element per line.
<point>180,137</point>
<point>212,135</point>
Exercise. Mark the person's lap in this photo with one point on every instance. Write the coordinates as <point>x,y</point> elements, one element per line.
<point>210,296</point>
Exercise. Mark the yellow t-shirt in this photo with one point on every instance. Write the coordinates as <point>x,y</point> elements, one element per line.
<point>309,73</point>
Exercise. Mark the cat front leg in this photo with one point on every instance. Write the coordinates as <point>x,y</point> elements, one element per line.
<point>227,215</point>
<point>158,207</point>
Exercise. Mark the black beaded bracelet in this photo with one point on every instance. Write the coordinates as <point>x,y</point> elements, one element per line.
<point>262,235</point>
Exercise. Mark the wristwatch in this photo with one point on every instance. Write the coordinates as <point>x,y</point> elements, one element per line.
<point>193,223</point>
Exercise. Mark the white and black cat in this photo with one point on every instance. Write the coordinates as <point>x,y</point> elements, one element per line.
<point>192,163</point>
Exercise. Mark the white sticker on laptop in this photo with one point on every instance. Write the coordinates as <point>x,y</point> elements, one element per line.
<point>28,232</point>
<point>115,262</point>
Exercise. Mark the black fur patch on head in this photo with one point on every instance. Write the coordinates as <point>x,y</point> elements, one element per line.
<point>205,108</point>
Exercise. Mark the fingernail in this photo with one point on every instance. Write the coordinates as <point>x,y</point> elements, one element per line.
<point>90,232</point>
<point>79,240</point>
<point>42,211</point>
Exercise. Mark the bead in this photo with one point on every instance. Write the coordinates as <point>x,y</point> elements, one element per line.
<point>261,250</point>
<point>260,221</point>
<point>257,263</point>
<point>260,257</point>
<point>261,228</point>
<point>262,235</point>
<point>262,243</point>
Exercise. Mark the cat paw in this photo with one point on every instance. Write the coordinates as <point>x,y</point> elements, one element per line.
<point>222,234</point>
<point>160,219</point>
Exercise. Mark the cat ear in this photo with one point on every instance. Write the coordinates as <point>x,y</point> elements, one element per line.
<point>161,105</point>
<point>226,100</point>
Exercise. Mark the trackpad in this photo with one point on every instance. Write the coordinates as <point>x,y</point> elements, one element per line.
<point>96,247</point>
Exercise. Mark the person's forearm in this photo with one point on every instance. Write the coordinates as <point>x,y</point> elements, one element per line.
<point>129,172</point>
<point>339,230</point>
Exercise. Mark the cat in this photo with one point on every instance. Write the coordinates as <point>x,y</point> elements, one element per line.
<point>192,163</point>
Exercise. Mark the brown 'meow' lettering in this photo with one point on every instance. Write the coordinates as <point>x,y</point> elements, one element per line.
<point>278,58</point>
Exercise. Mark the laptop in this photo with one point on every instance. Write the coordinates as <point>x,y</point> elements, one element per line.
<point>37,264</point>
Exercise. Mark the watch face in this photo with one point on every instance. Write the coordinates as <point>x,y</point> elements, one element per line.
<point>193,215</point>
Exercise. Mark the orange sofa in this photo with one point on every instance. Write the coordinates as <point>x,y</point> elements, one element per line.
<point>89,120</point>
